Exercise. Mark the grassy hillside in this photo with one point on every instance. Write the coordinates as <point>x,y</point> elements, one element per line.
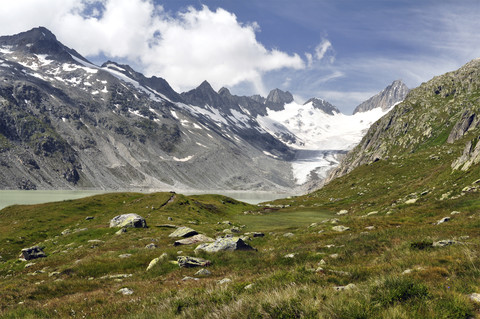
<point>389,258</point>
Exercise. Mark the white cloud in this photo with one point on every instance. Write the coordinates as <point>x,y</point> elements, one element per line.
<point>322,49</point>
<point>185,48</point>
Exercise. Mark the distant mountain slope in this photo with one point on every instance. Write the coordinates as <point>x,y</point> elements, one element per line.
<point>392,94</point>
<point>66,123</point>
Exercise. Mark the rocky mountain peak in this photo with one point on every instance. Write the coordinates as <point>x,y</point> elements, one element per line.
<point>224,92</point>
<point>277,98</point>
<point>323,105</point>
<point>392,94</point>
<point>39,40</point>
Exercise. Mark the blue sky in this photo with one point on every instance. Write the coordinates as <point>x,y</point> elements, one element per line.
<point>341,50</point>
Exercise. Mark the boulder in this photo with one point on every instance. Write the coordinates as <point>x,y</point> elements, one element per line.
<point>128,220</point>
<point>224,244</point>
<point>188,262</point>
<point>32,253</point>
<point>193,240</point>
<point>183,232</point>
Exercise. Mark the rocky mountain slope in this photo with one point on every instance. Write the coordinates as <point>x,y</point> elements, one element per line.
<point>66,123</point>
<point>394,93</point>
<point>438,114</point>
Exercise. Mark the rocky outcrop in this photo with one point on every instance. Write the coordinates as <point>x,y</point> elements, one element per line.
<point>469,157</point>
<point>128,220</point>
<point>323,105</point>
<point>224,244</point>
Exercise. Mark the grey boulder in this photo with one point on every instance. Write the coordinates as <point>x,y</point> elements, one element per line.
<point>128,220</point>
<point>224,244</point>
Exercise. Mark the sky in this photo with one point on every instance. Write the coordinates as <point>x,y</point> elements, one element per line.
<point>343,51</point>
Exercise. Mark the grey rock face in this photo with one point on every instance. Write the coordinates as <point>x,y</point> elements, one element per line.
<point>392,94</point>
<point>224,244</point>
<point>32,253</point>
<point>128,220</point>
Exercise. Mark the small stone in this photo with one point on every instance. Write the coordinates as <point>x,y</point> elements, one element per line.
<point>370,227</point>
<point>289,256</point>
<point>248,287</point>
<point>288,235</point>
<point>443,243</point>
<point>224,281</point>
<point>347,287</point>
<point>372,213</point>
<point>169,218</point>
<point>151,246</point>
<point>121,231</point>
<point>340,228</point>
<point>313,225</point>
<point>155,261</point>
<point>258,234</point>
<point>29,265</point>
<point>475,297</point>
<point>66,232</point>
<point>334,220</point>
<point>322,262</point>
<point>203,273</point>
<point>342,212</point>
<point>443,220</point>
<point>187,262</point>
<point>455,213</point>
<point>125,291</point>
<point>407,271</point>
<point>189,278</point>
<point>89,218</point>
<point>125,255</point>
<point>411,201</point>
<point>54,273</point>
<point>32,253</point>
<point>334,256</point>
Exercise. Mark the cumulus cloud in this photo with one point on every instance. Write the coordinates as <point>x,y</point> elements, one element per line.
<point>185,48</point>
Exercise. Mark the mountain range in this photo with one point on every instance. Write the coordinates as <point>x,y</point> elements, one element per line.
<point>66,123</point>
